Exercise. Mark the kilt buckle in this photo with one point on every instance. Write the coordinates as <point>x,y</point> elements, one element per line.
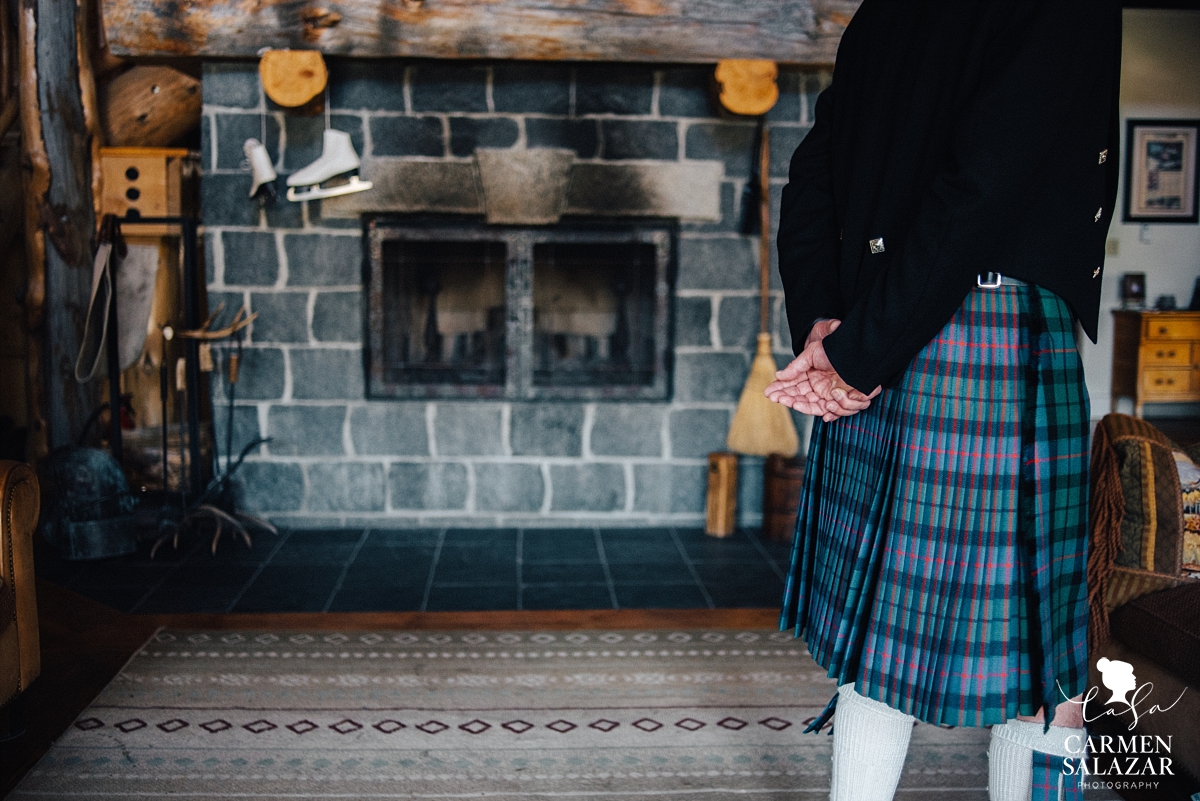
<point>989,280</point>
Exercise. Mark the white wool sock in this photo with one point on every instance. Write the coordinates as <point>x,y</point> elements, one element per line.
<point>1010,755</point>
<point>870,741</point>
<point>1010,768</point>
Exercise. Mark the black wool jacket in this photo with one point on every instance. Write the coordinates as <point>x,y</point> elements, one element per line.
<point>957,137</point>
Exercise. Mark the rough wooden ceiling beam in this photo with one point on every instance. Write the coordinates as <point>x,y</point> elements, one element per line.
<point>787,31</point>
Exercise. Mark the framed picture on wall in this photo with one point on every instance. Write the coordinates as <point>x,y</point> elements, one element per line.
<point>1160,171</point>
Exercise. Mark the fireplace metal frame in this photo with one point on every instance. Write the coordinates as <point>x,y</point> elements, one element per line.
<point>519,331</point>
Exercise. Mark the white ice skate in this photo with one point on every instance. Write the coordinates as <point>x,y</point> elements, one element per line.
<point>260,167</point>
<point>337,158</point>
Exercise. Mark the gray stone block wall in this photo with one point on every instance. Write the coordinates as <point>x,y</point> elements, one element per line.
<point>336,458</point>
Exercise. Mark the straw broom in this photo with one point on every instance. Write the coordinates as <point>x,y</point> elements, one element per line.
<point>761,427</point>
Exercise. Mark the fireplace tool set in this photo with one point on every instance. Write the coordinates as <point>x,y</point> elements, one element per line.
<point>215,502</point>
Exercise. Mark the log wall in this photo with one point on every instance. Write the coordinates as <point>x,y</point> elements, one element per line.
<point>59,137</point>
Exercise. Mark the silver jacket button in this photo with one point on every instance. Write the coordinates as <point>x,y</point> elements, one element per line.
<point>1096,273</point>
<point>877,245</point>
<point>1103,155</point>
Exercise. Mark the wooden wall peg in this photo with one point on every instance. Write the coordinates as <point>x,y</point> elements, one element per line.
<point>748,86</point>
<point>292,77</point>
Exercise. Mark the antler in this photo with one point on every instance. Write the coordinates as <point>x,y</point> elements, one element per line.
<point>240,321</point>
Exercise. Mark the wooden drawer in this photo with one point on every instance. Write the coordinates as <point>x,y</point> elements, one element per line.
<point>1166,354</point>
<point>1171,328</point>
<point>1161,382</point>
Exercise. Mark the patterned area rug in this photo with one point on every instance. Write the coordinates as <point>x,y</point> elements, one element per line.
<point>385,714</point>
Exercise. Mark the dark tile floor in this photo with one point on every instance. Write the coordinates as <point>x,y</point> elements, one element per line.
<point>379,570</point>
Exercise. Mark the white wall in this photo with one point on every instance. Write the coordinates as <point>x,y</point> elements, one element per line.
<point>1160,78</point>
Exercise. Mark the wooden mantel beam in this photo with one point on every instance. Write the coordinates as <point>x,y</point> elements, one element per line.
<point>697,31</point>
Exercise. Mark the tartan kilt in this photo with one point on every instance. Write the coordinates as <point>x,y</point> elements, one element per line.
<point>940,554</point>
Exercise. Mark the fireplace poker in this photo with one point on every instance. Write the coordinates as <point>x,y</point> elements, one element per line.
<point>168,333</point>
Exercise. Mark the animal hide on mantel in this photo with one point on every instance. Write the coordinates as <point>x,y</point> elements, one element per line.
<point>665,31</point>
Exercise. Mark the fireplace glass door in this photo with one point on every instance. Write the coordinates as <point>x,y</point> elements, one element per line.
<point>471,310</point>
<point>444,312</point>
<point>593,314</point>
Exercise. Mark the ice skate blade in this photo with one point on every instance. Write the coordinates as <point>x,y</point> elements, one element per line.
<point>355,184</point>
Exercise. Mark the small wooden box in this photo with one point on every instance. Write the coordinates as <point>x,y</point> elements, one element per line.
<point>143,182</point>
<point>783,479</point>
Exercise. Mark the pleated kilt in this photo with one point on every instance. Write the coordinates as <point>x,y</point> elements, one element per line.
<point>941,547</point>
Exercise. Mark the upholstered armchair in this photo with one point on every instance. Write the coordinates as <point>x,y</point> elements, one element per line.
<point>20,657</point>
<point>1146,600</point>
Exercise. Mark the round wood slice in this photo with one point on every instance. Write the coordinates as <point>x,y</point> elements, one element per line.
<point>748,85</point>
<point>292,77</point>
<point>149,106</point>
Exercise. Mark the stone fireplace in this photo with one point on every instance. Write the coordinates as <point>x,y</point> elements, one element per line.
<point>445,350</point>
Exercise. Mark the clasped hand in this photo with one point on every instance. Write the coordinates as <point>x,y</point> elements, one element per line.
<point>810,385</point>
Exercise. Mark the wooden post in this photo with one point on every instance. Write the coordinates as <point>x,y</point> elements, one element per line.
<point>721,504</point>
<point>58,125</point>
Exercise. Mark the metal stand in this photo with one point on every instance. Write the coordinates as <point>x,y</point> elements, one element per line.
<point>113,354</point>
<point>199,497</point>
<point>191,319</point>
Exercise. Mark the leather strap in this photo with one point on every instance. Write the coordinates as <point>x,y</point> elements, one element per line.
<point>95,327</point>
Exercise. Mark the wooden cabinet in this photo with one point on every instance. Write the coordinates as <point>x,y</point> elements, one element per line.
<point>1156,357</point>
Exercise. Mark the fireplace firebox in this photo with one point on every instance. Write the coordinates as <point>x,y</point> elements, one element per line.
<point>471,310</point>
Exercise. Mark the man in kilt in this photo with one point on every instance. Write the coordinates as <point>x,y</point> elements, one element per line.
<point>941,235</point>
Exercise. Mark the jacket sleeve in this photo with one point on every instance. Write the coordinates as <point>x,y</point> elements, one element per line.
<point>1009,146</point>
<point>808,231</point>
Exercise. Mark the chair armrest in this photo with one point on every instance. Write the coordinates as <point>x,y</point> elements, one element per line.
<point>20,654</point>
